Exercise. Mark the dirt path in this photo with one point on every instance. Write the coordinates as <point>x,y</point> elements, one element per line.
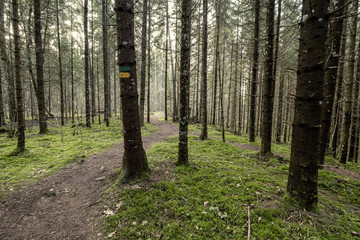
<point>63,205</point>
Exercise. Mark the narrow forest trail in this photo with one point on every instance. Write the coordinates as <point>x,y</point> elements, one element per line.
<point>63,205</point>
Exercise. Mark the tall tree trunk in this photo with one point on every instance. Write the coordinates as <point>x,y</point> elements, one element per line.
<point>230,83</point>
<point>18,79</point>
<point>255,59</point>
<point>92,75</point>
<point>239,129</point>
<point>8,68</point>
<point>268,85</point>
<point>174,68</point>
<point>347,99</point>
<point>143,63</point>
<point>333,51</point>
<point>134,159</point>
<point>98,88</point>
<point>115,79</point>
<point>221,93</point>
<point>184,81</point>
<point>279,124</point>
<point>40,91</point>
<point>166,58</point>
<point>2,112</point>
<point>217,53</point>
<point>72,71</point>
<point>281,78</point>
<point>106,64</point>
<point>303,171</point>
<point>86,58</point>
<point>203,95</point>
<point>60,64</point>
<point>149,64</point>
<point>233,107</point>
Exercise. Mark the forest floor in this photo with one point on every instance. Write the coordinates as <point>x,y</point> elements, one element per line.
<point>65,204</point>
<point>83,200</point>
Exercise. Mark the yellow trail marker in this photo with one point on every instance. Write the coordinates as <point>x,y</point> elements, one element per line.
<point>124,75</point>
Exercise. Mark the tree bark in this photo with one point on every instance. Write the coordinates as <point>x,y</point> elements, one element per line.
<point>149,63</point>
<point>72,70</point>
<point>303,171</point>
<point>184,82</point>
<point>86,58</point>
<point>92,74</point>
<point>2,112</point>
<point>60,64</point>
<point>203,95</point>
<point>255,58</point>
<point>143,63</point>
<point>217,53</point>
<point>166,58</point>
<point>268,85</point>
<point>349,88</point>
<point>134,159</point>
<point>18,79</point>
<point>279,124</point>
<point>106,64</point>
<point>281,78</point>
<point>40,91</point>
<point>230,84</point>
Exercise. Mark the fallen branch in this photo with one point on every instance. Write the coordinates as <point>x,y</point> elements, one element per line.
<point>249,223</point>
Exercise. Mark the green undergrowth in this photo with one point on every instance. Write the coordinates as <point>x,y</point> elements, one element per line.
<point>223,186</point>
<point>47,153</point>
<point>215,132</point>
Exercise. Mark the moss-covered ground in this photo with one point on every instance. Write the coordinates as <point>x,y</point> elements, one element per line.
<point>224,187</point>
<point>47,153</point>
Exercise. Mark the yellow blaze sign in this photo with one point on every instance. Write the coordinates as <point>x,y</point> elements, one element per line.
<point>124,75</point>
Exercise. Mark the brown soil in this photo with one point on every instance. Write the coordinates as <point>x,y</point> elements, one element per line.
<point>66,204</point>
<point>342,171</point>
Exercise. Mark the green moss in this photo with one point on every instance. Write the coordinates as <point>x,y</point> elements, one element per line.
<point>47,153</point>
<point>209,198</point>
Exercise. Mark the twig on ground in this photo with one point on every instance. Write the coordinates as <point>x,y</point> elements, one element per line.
<point>249,223</point>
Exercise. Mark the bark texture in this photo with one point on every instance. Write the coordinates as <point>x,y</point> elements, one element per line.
<point>18,79</point>
<point>303,171</point>
<point>184,82</point>
<point>86,53</point>
<point>203,95</point>
<point>134,159</point>
<point>255,62</point>
<point>143,63</point>
<point>268,85</point>
<point>105,64</point>
<point>40,92</point>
